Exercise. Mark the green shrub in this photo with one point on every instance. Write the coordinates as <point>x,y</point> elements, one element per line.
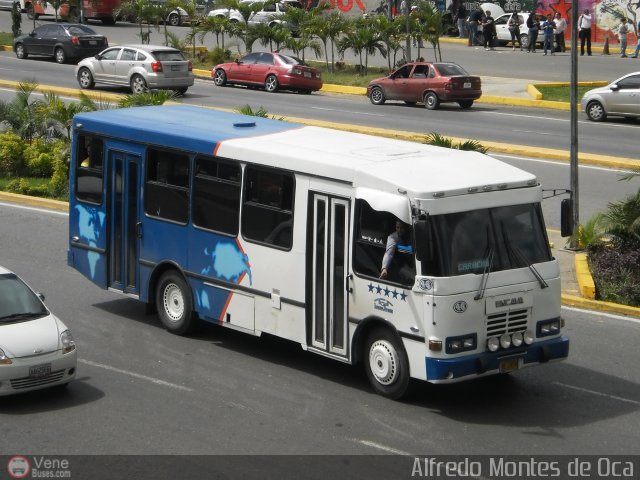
<point>59,185</point>
<point>218,55</point>
<point>40,157</point>
<point>12,149</point>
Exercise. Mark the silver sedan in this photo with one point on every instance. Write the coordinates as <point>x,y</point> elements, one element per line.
<point>619,98</point>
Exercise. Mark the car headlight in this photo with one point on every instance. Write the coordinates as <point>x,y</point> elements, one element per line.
<point>4,360</point>
<point>68,343</point>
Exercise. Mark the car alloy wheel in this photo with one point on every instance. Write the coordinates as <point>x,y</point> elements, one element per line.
<point>85,79</point>
<point>220,78</point>
<point>21,52</point>
<point>174,19</point>
<point>61,57</point>
<point>271,84</point>
<point>595,111</point>
<point>138,84</point>
<point>377,96</point>
<point>431,101</point>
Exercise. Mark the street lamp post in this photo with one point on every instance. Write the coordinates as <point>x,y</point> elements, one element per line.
<point>575,219</point>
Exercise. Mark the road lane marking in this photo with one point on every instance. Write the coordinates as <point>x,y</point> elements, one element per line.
<point>157,381</point>
<point>539,133</point>
<point>580,122</point>
<point>603,314</point>
<point>600,394</point>
<point>381,447</point>
<point>348,111</point>
<point>35,209</point>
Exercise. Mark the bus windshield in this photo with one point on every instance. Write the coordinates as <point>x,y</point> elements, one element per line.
<point>491,239</point>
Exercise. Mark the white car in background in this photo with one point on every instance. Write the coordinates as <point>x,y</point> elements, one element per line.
<point>37,350</point>
<point>268,14</point>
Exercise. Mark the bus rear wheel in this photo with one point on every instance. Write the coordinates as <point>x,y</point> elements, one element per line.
<point>175,304</point>
<point>386,364</point>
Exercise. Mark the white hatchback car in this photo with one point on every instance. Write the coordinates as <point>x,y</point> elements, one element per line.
<point>141,67</point>
<point>37,350</point>
<point>270,12</point>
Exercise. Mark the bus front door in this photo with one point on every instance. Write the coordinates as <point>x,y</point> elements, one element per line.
<point>329,227</point>
<point>125,228</point>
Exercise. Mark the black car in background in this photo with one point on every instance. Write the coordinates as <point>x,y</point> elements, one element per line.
<point>62,41</point>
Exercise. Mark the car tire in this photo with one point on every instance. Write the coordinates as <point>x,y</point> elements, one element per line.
<point>85,78</point>
<point>465,104</point>
<point>174,303</point>
<point>138,84</point>
<point>524,41</point>
<point>431,101</point>
<point>271,84</point>
<point>220,78</point>
<point>386,363</point>
<point>181,91</point>
<point>108,21</point>
<point>174,19</point>
<point>21,51</point>
<point>595,111</point>
<point>410,103</point>
<point>59,55</point>
<point>377,96</point>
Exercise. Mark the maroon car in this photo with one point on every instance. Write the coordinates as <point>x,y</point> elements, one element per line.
<point>429,83</point>
<point>273,71</point>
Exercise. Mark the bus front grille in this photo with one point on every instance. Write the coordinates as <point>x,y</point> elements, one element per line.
<point>507,322</point>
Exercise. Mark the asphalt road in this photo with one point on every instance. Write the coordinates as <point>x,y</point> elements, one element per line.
<point>141,390</point>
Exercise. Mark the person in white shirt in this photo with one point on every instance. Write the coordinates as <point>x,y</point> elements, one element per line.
<point>561,26</point>
<point>584,31</point>
<point>623,30</point>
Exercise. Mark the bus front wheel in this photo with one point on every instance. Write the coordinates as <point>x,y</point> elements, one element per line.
<point>386,364</point>
<point>175,304</point>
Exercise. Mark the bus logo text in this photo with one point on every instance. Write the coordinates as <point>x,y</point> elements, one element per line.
<point>383,305</point>
<point>509,301</point>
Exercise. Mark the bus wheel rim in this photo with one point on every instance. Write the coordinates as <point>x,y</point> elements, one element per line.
<point>383,362</point>
<point>173,302</point>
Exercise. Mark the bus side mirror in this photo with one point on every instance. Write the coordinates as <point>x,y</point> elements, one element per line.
<point>424,248</point>
<point>566,218</point>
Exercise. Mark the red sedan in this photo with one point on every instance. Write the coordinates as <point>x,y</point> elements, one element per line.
<point>429,83</point>
<point>273,71</point>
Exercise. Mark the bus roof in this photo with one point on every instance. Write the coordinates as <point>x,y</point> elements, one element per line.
<point>422,171</point>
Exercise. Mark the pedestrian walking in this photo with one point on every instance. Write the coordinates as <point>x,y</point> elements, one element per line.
<point>561,26</point>
<point>461,19</point>
<point>474,21</point>
<point>635,55</point>
<point>548,26</point>
<point>623,30</point>
<point>514,29</point>
<point>533,24</point>
<point>584,31</point>
<point>488,30</point>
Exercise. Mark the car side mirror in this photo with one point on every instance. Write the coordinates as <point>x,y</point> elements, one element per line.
<point>614,86</point>
<point>98,57</point>
<point>32,34</point>
<point>40,296</point>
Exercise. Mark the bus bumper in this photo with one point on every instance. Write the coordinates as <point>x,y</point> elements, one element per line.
<point>462,368</point>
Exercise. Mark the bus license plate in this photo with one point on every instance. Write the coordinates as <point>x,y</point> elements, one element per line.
<point>40,370</point>
<point>509,364</point>
<point>467,85</point>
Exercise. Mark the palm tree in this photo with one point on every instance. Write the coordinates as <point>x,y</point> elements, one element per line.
<point>269,35</point>
<point>430,26</point>
<point>215,25</point>
<point>19,114</point>
<point>56,116</point>
<point>390,31</point>
<point>622,218</point>
<point>139,11</point>
<point>362,39</point>
<point>329,28</point>
<point>154,97</point>
<point>447,142</point>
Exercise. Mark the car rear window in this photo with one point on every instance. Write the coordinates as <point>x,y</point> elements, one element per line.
<point>169,55</point>
<point>291,60</point>
<point>81,30</point>
<point>450,69</point>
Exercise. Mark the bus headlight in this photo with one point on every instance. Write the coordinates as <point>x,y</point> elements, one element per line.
<point>493,344</point>
<point>545,328</point>
<point>528,337</point>
<point>516,339</point>
<point>462,343</point>
<point>505,340</point>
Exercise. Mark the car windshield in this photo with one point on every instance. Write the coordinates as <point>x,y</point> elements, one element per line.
<point>494,239</point>
<point>169,56</point>
<point>80,30</point>
<point>450,69</point>
<point>17,300</point>
<point>288,59</point>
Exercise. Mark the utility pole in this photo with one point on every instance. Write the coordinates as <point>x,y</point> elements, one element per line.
<point>407,10</point>
<point>575,218</point>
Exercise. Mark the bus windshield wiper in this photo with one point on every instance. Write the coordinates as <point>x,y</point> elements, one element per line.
<point>485,274</point>
<point>522,259</point>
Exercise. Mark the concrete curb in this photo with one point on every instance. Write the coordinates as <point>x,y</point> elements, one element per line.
<point>583,276</point>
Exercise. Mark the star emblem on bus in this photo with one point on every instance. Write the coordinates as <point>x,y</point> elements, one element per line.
<point>380,289</point>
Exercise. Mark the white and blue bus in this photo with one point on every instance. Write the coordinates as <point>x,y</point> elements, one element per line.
<point>265,226</point>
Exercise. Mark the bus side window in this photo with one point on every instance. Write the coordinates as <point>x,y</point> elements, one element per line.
<point>371,232</point>
<point>267,212</point>
<point>89,169</point>
<point>216,195</point>
<point>167,185</point>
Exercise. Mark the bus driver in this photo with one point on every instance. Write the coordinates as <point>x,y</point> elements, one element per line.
<point>395,241</point>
